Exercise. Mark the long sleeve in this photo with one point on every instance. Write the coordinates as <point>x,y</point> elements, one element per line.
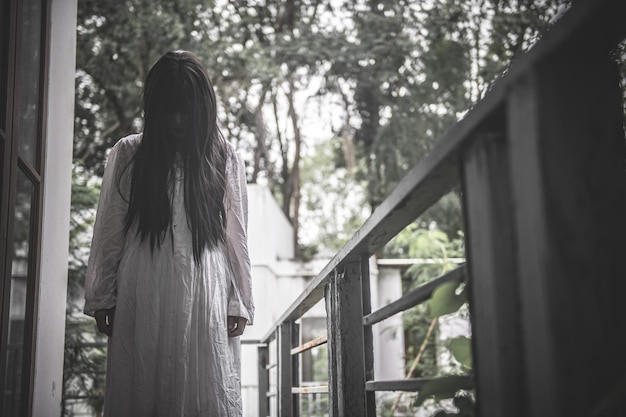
<point>107,240</point>
<point>240,302</point>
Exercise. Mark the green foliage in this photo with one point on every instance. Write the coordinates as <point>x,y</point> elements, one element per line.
<point>441,388</point>
<point>421,241</point>
<point>461,348</point>
<point>416,321</point>
<point>320,364</point>
<point>398,73</point>
<point>449,298</point>
<point>435,253</point>
<point>85,192</point>
<point>331,194</point>
<point>414,68</point>
<point>446,300</point>
<point>83,367</point>
<point>312,405</point>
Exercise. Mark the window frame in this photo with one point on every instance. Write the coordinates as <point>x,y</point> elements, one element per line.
<point>12,163</point>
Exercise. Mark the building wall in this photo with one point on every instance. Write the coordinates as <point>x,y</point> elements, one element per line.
<point>57,189</point>
<point>270,233</point>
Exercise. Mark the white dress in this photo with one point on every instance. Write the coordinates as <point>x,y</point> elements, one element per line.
<point>170,354</point>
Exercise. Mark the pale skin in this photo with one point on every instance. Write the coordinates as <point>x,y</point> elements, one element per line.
<point>104,321</point>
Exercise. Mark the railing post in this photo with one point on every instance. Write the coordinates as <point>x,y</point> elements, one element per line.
<point>569,183</point>
<point>329,295</point>
<point>493,283</point>
<point>346,359</point>
<point>285,397</point>
<point>264,380</point>
<point>295,369</point>
<point>368,337</point>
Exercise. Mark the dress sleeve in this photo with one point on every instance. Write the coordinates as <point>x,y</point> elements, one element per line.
<point>107,240</point>
<point>240,302</point>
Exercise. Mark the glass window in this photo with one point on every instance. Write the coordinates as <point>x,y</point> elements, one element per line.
<point>19,293</point>
<point>29,93</point>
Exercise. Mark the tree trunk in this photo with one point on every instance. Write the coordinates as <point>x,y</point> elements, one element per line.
<point>295,169</point>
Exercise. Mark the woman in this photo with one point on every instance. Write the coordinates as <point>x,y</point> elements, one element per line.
<point>168,278</point>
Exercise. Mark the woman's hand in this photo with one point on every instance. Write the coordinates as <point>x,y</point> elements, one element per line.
<point>236,326</point>
<point>104,320</point>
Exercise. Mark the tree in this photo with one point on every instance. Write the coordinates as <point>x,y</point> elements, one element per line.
<point>332,194</point>
<point>260,59</point>
<point>116,46</point>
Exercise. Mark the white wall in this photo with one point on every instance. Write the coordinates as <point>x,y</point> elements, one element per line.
<point>270,235</point>
<point>56,210</point>
<point>277,280</point>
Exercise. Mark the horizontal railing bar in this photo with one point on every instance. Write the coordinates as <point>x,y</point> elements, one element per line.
<point>83,397</point>
<point>270,366</point>
<point>437,173</point>
<point>414,297</point>
<point>87,345</point>
<point>252,342</point>
<point>418,261</point>
<point>309,345</point>
<point>316,389</point>
<point>412,384</point>
<point>269,336</point>
<point>271,394</point>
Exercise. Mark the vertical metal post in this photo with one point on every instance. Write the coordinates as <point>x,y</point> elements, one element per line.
<point>285,403</point>
<point>569,184</point>
<point>331,313</point>
<point>345,325</point>
<point>264,380</point>
<point>493,283</point>
<point>295,369</point>
<point>368,338</point>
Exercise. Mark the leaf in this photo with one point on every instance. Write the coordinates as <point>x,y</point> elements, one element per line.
<point>441,388</point>
<point>445,300</point>
<point>461,348</point>
<point>465,405</point>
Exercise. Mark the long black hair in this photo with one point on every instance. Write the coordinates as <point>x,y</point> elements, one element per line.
<point>179,83</point>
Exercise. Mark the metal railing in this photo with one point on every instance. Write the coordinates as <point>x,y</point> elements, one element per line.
<point>540,161</point>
